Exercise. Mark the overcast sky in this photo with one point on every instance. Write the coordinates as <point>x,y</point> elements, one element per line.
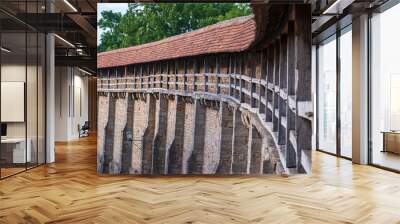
<point>115,7</point>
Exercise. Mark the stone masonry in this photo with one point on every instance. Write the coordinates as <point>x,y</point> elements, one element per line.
<point>231,98</point>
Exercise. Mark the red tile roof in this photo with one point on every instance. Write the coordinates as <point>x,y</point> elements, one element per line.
<point>228,36</point>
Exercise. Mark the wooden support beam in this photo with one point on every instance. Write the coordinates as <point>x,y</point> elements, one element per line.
<point>303,91</point>
<point>195,71</point>
<point>205,74</point>
<point>261,93</point>
<point>176,71</point>
<point>185,74</point>
<point>282,123</point>
<point>275,98</point>
<point>218,71</point>
<point>141,76</point>
<point>235,71</point>
<point>230,72</point>
<point>242,82</point>
<point>268,78</point>
<point>252,59</point>
<point>168,73</point>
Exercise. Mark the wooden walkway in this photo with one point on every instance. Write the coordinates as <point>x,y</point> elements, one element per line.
<point>70,191</point>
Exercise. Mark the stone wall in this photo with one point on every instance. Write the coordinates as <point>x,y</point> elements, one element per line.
<point>160,134</point>
<point>245,112</point>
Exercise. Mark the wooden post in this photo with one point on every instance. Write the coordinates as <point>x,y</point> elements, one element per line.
<point>242,69</point>
<point>261,93</point>
<point>252,84</point>
<point>141,76</point>
<point>195,73</point>
<point>176,68</point>
<point>229,72</point>
<point>303,91</point>
<point>217,63</point>
<point>185,75</point>
<point>275,99</point>
<point>205,75</point>
<point>168,75</point>
<point>126,75</point>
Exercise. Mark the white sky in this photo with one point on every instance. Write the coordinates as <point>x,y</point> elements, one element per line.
<point>115,7</point>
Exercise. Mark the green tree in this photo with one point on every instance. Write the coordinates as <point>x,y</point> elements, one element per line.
<point>144,23</point>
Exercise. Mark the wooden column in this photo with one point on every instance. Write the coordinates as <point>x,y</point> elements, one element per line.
<point>205,74</point>
<point>185,87</point>
<point>275,99</point>
<point>168,73</point>
<point>195,73</point>
<point>303,91</point>
<point>242,82</point>
<point>269,79</point>
<point>218,68</point>
<point>261,93</point>
<point>176,71</point>
<point>230,72</point>
<point>282,123</point>
<point>253,100</point>
<point>291,142</point>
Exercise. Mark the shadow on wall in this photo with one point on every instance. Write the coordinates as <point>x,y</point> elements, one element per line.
<point>160,134</point>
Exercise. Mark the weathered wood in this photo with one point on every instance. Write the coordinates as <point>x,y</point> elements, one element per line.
<point>303,92</point>
<point>185,76</point>
<point>253,99</point>
<point>242,82</point>
<point>275,99</point>
<point>282,86</point>
<point>274,82</point>
<point>218,71</point>
<point>263,74</point>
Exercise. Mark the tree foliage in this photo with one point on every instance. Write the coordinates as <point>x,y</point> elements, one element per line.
<point>143,23</point>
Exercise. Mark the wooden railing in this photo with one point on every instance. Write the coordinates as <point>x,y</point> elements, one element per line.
<point>274,106</point>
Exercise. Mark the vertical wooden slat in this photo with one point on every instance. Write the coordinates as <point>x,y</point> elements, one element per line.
<point>218,64</point>
<point>242,69</point>
<point>195,72</point>
<point>205,75</point>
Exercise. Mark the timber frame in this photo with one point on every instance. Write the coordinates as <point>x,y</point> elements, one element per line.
<point>271,81</point>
